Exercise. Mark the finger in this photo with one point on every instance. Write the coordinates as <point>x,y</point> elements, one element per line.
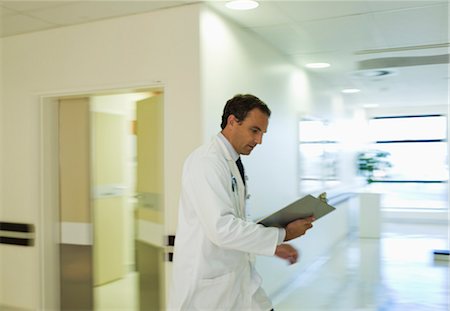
<point>294,254</point>
<point>307,221</point>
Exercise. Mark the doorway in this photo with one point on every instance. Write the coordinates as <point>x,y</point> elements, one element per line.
<point>108,199</point>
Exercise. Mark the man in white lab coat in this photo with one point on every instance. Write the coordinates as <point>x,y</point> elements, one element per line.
<point>215,245</point>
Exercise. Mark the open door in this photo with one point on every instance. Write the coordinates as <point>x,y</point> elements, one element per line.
<point>112,250</point>
<point>150,203</point>
<point>108,195</point>
<point>74,200</point>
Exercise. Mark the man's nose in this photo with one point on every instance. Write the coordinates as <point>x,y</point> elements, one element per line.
<point>258,139</point>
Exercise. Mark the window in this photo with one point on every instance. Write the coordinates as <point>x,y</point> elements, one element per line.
<point>418,157</point>
<point>417,147</point>
<point>319,150</point>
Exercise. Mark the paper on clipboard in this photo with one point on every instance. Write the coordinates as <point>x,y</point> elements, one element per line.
<point>302,208</point>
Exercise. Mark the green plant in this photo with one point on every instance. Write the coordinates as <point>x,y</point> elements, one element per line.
<point>372,161</point>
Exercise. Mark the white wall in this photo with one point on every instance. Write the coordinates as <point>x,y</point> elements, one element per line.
<point>235,61</point>
<point>159,48</point>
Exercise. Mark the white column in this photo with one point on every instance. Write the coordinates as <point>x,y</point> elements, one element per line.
<point>369,215</point>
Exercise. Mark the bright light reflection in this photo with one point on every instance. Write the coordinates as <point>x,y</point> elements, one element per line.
<point>317,65</point>
<point>350,91</point>
<point>370,105</point>
<point>313,131</point>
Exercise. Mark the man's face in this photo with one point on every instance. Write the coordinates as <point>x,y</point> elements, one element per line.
<point>246,134</point>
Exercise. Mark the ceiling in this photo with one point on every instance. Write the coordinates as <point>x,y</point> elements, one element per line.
<point>395,52</point>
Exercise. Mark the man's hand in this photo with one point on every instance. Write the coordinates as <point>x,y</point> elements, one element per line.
<point>286,251</point>
<point>298,228</point>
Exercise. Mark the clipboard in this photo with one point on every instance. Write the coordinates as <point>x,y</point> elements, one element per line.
<point>302,208</point>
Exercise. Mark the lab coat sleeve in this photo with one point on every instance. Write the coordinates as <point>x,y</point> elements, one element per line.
<point>210,193</point>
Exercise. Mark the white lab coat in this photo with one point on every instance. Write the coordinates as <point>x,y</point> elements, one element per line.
<point>214,251</point>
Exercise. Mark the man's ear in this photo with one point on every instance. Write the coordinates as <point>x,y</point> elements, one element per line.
<point>232,120</point>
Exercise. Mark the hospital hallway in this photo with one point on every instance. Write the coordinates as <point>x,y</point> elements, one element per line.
<point>394,273</point>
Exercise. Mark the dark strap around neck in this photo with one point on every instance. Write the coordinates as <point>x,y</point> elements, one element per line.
<point>241,169</point>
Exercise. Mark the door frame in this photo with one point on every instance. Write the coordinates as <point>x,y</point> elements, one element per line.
<point>49,217</point>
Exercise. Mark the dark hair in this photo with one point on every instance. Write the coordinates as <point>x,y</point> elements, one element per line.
<point>240,105</point>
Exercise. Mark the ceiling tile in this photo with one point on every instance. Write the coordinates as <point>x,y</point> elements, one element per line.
<point>347,33</point>
<point>6,12</point>
<point>80,12</point>
<point>18,24</point>
<point>336,31</point>
<point>23,6</point>
<point>287,38</point>
<point>414,26</point>
<point>379,6</point>
<point>317,10</point>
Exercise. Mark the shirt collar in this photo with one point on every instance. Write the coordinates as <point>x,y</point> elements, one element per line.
<point>233,153</point>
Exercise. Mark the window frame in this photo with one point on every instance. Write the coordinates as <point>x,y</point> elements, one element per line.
<point>400,141</point>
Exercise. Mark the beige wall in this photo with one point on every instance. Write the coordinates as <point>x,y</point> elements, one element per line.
<point>159,48</point>
<point>1,161</point>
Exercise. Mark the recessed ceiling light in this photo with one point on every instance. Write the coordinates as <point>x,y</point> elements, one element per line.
<point>242,4</point>
<point>375,73</point>
<point>350,91</point>
<point>317,65</point>
<point>371,105</point>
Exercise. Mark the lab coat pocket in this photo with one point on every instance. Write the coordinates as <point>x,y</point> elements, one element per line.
<point>215,293</point>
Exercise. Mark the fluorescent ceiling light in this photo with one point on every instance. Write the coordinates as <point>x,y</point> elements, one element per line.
<point>371,106</point>
<point>242,4</point>
<point>350,91</point>
<point>317,65</point>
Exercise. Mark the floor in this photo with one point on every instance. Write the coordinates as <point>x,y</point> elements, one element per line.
<point>118,296</point>
<point>395,273</point>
